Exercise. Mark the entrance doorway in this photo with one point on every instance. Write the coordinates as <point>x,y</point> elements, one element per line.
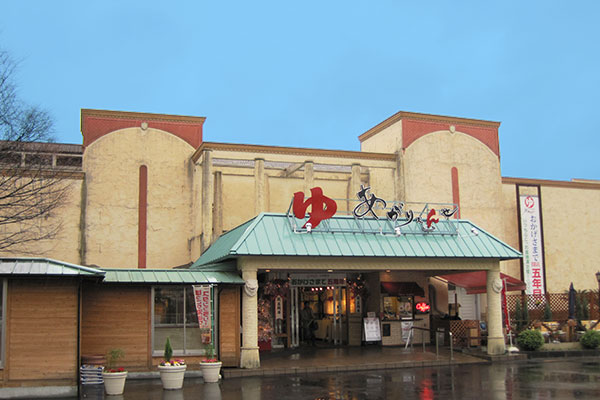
<point>325,295</point>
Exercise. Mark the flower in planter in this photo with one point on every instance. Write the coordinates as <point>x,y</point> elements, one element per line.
<point>173,363</point>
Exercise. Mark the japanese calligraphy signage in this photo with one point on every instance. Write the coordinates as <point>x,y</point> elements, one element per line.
<point>396,219</point>
<point>317,280</point>
<point>322,207</point>
<point>531,234</point>
<point>202,299</point>
<point>278,307</point>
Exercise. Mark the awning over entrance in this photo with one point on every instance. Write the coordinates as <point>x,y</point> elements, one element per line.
<point>475,282</point>
<point>402,288</point>
<point>274,235</point>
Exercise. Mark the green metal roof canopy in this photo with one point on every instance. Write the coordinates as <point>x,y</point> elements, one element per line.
<point>271,234</point>
<point>171,276</point>
<point>36,266</point>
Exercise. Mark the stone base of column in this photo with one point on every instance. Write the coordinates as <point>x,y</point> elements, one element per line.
<point>495,346</point>
<point>249,357</point>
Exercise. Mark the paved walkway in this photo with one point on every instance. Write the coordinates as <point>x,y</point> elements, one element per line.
<point>317,359</point>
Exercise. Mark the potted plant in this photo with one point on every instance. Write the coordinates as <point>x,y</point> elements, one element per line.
<point>114,377</point>
<point>172,371</point>
<point>210,366</point>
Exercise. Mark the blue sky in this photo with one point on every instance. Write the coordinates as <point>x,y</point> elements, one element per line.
<point>320,73</point>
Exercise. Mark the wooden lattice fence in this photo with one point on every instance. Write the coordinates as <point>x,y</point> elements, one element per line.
<point>559,305</point>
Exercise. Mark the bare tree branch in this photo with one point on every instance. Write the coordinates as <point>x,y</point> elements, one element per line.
<point>32,186</point>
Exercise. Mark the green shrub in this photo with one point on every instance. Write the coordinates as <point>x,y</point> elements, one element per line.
<point>590,339</point>
<point>518,315</point>
<point>547,312</point>
<point>168,350</point>
<point>530,339</point>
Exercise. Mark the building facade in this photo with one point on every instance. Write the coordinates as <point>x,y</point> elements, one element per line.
<point>146,192</point>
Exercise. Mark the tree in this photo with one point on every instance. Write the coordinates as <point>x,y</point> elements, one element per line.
<point>31,187</point>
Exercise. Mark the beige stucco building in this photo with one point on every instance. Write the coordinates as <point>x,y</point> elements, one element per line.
<point>147,192</point>
<point>194,190</point>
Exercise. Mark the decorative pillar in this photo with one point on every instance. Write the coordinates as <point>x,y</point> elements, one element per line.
<point>218,208</point>
<point>309,176</point>
<point>494,312</point>
<point>207,197</point>
<point>259,185</point>
<point>249,357</point>
<point>399,187</point>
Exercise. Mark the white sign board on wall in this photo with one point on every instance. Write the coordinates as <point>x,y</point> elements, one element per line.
<point>533,248</point>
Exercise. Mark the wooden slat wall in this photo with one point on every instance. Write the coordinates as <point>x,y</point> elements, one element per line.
<point>117,317</point>
<point>42,330</point>
<point>229,326</point>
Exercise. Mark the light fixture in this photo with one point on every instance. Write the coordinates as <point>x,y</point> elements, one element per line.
<point>308,227</point>
<point>474,231</point>
<point>397,231</point>
<point>329,270</point>
<point>387,270</point>
<point>267,270</point>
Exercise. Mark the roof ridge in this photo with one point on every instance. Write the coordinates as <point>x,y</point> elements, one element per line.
<point>496,239</point>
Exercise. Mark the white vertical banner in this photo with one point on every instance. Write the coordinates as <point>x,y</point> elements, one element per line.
<point>203,309</point>
<point>531,236</point>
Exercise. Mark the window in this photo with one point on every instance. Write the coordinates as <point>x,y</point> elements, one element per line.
<point>175,317</point>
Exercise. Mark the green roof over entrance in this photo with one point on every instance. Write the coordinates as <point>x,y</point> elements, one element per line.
<point>272,235</point>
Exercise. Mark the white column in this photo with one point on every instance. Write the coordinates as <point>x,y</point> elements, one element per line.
<point>249,357</point>
<point>494,312</point>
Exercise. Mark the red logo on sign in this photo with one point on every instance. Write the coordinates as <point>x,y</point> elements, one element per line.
<point>322,206</point>
<point>529,202</point>
<point>423,307</point>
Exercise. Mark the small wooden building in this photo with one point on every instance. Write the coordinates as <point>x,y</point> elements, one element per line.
<point>53,313</point>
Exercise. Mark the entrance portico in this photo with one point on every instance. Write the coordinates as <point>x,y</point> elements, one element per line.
<point>267,243</point>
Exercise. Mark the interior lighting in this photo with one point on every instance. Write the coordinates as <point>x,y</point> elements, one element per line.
<point>388,271</point>
<point>267,270</point>
<point>329,270</point>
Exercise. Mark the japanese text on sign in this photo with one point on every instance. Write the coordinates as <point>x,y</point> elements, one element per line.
<point>317,280</point>
<point>202,297</point>
<point>533,264</point>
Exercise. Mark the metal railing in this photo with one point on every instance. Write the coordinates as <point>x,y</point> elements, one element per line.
<point>437,345</point>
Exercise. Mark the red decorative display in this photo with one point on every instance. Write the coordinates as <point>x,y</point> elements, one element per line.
<point>423,307</point>
<point>322,207</point>
<point>430,218</point>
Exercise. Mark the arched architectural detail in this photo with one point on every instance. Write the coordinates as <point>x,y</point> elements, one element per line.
<point>97,123</point>
<point>415,129</point>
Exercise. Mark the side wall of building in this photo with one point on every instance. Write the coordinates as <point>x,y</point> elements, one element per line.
<point>120,202</point>
<point>569,220</point>
<point>41,332</point>
<point>117,317</point>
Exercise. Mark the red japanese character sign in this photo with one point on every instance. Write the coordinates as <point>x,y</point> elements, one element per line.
<point>322,206</point>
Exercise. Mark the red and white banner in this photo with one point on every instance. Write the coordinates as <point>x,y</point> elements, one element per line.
<point>533,248</point>
<point>203,299</point>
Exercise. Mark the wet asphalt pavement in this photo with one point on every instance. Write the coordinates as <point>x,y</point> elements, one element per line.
<point>574,378</point>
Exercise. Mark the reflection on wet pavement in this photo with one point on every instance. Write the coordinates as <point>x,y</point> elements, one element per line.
<point>541,379</point>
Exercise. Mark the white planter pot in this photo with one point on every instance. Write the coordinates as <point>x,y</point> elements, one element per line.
<point>114,382</point>
<point>210,371</point>
<point>172,376</point>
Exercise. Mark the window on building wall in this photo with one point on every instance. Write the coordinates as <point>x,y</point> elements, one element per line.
<point>175,317</point>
